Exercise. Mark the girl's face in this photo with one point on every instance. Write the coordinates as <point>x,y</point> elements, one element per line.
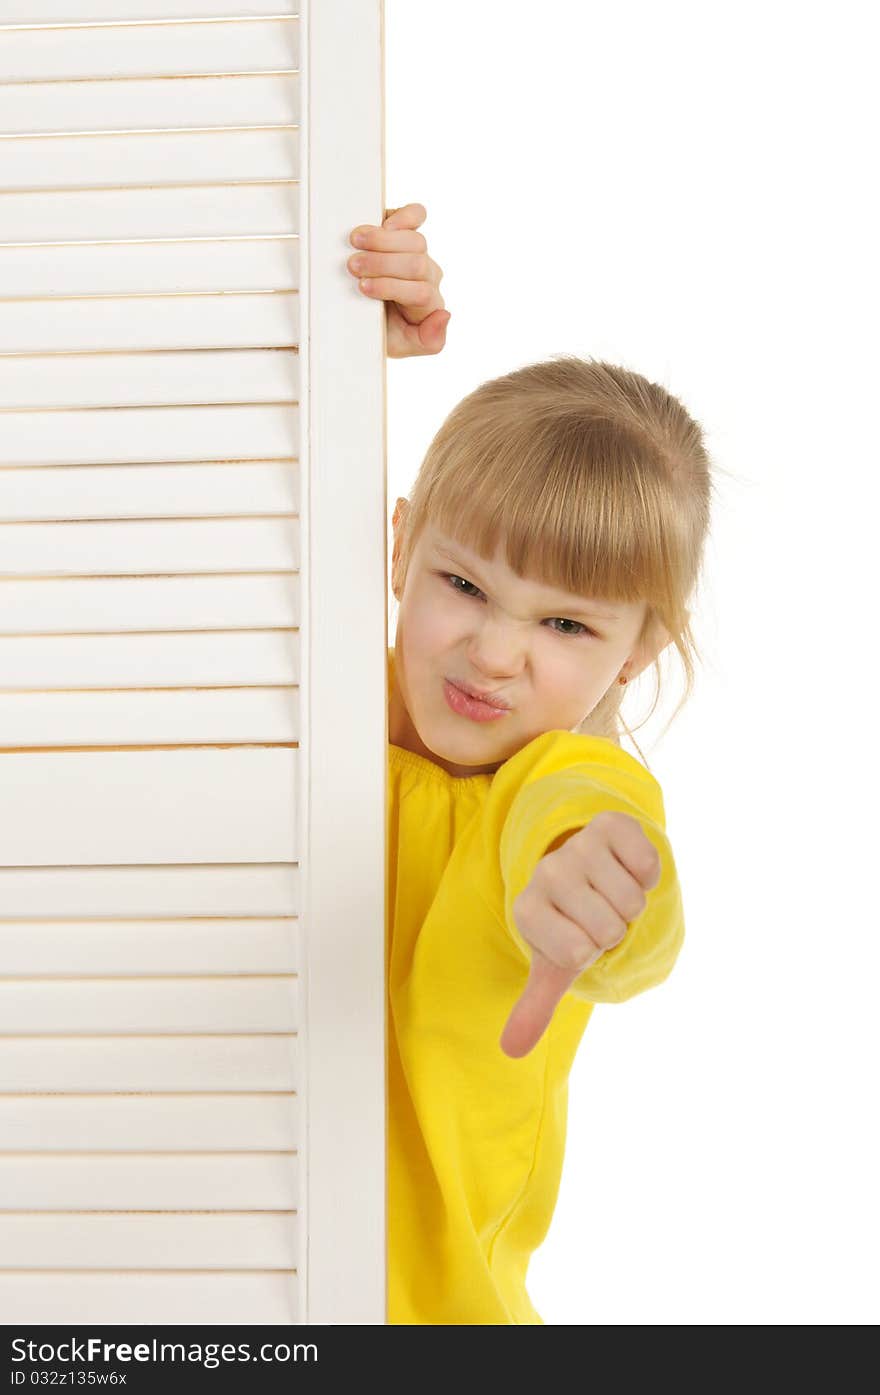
<point>548,654</point>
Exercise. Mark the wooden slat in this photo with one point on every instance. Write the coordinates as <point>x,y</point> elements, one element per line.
<point>89,948</point>
<point>170,1063</point>
<point>156,1299</point>
<point>150,50</point>
<point>142,268</point>
<point>178,1121</point>
<point>170,1182</point>
<point>112,215</point>
<point>145,157</point>
<point>136,891</point>
<point>144,434</point>
<point>110,323</point>
<point>227,1004</point>
<point>137,547</point>
<point>127,11</point>
<point>88,1240</point>
<point>163,718</point>
<point>78,605</point>
<point>153,379</point>
<point>195,660</point>
<point>186,805</point>
<point>162,104</point>
<point>148,491</point>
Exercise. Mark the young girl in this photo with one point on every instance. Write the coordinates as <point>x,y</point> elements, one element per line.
<point>546,555</point>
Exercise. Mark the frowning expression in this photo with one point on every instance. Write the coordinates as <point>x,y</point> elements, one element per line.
<point>548,656</point>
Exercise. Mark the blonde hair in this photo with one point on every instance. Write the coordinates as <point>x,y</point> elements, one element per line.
<point>595,480</point>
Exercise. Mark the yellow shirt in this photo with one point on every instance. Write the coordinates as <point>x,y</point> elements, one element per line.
<point>476,1138</point>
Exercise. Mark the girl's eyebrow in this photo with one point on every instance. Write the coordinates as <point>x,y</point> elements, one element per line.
<point>578,606</point>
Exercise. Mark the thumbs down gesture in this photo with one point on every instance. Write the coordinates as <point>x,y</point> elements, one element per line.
<point>581,900</point>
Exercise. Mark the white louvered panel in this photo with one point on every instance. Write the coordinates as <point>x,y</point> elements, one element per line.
<point>158,1298</point>
<point>156,379</point>
<point>196,660</point>
<point>167,1005</point>
<point>157,103</point>
<point>144,434</point>
<point>154,1062</point>
<point>149,1005</point>
<point>198,1181</point>
<point>138,603</point>
<point>58,270</point>
<point>251,1116</point>
<point>171,159</point>
<point>157,717</point>
<point>51,54</point>
<point>137,491</point>
<point>106,322</point>
<point>166,547</point>
<point>81,948</point>
<point>110,215</point>
<point>186,804</point>
<point>269,889</point>
<point>28,12</point>
<point>96,1240</point>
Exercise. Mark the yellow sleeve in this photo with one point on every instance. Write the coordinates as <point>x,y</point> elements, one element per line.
<point>564,802</point>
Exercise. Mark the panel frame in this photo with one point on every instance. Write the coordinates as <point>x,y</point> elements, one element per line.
<point>344,457</point>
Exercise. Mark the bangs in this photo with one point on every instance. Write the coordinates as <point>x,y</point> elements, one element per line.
<point>579,506</point>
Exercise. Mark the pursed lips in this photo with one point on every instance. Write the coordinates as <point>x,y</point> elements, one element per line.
<point>490,699</point>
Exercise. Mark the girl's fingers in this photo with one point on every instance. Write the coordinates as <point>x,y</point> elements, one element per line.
<point>419,294</point>
<point>387,240</point>
<point>392,264</point>
<point>558,938</point>
<point>404,266</point>
<point>608,879</point>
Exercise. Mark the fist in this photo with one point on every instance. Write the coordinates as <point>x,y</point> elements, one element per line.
<point>580,902</point>
<point>392,264</point>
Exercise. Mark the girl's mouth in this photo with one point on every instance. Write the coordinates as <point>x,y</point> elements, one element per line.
<point>470,707</point>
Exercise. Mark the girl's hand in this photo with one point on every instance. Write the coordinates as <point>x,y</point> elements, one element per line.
<point>582,895</point>
<point>394,260</point>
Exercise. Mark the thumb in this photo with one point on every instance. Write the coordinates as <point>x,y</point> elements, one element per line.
<point>412,336</point>
<point>433,328</point>
<point>532,1012</point>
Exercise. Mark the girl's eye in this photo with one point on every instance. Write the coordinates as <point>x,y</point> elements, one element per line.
<point>581,631</point>
<point>467,583</point>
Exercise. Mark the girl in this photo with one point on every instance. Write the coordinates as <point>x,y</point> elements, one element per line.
<point>545,558</point>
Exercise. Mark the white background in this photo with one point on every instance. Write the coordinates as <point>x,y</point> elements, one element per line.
<point>687,189</point>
